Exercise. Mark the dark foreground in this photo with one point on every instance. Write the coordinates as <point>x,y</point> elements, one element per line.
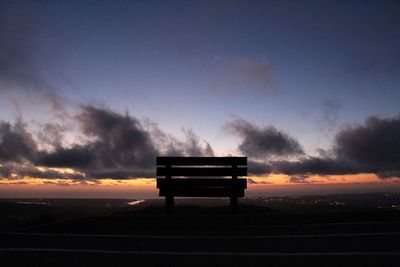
<point>210,236</point>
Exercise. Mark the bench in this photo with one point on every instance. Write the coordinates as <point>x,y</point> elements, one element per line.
<point>181,178</point>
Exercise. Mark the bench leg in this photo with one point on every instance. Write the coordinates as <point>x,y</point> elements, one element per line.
<point>169,204</point>
<point>234,204</point>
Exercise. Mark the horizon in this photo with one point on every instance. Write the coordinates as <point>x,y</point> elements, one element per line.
<point>91,92</point>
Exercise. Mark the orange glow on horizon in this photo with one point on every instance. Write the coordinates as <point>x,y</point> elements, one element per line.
<point>282,179</point>
<point>272,179</point>
<point>146,187</point>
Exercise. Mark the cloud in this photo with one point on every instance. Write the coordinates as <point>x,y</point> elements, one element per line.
<point>243,72</point>
<point>192,146</point>
<point>257,168</point>
<point>5,171</point>
<point>51,134</point>
<point>23,61</point>
<point>77,156</point>
<point>120,173</point>
<point>330,108</point>
<point>170,146</point>
<point>375,144</point>
<point>16,144</point>
<point>13,170</point>
<point>252,72</point>
<point>251,181</point>
<point>120,146</point>
<point>298,179</point>
<point>314,165</point>
<point>117,141</point>
<point>263,142</point>
<point>18,51</point>
<point>373,147</point>
<point>388,174</point>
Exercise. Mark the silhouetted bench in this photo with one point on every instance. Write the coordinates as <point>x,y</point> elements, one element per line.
<point>177,181</point>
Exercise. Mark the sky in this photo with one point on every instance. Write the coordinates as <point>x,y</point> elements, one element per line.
<point>92,91</point>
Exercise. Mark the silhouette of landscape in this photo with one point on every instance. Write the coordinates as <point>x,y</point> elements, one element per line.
<point>361,229</point>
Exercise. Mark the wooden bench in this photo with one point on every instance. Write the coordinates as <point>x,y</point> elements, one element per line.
<point>178,181</point>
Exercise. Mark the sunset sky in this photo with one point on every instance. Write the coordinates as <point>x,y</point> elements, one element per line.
<point>92,91</point>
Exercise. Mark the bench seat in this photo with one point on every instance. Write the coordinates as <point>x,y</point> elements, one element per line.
<point>202,187</point>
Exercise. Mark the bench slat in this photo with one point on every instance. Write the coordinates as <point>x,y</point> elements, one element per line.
<point>201,182</point>
<point>185,171</point>
<point>196,161</point>
<point>202,192</point>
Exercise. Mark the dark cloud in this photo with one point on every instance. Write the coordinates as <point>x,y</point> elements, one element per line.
<point>263,142</point>
<point>5,171</point>
<point>314,165</point>
<point>117,141</point>
<point>373,147</point>
<point>34,172</point>
<point>120,173</point>
<point>120,147</point>
<point>389,174</point>
<point>13,170</point>
<point>51,134</point>
<point>257,168</point>
<point>16,144</point>
<point>376,144</point>
<point>77,156</point>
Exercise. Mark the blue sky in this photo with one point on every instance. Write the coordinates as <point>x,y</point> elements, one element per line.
<point>168,60</point>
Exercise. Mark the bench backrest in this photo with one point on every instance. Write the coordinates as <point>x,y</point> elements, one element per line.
<point>207,167</point>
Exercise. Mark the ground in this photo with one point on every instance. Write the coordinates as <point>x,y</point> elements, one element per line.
<point>208,235</point>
